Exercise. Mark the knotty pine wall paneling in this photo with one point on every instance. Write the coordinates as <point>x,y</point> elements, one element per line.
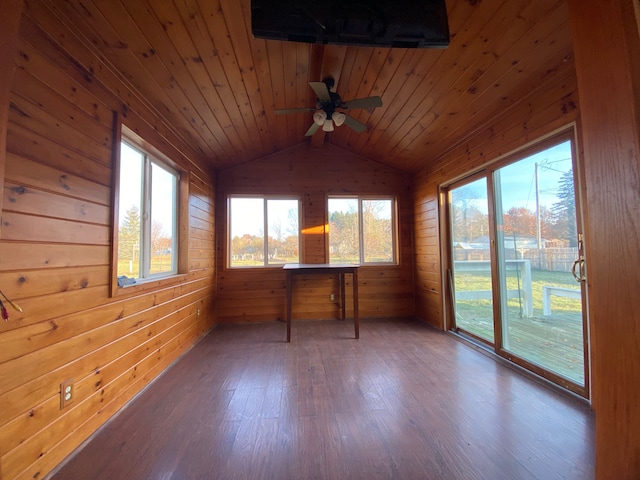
<point>607,49</point>
<point>55,253</point>
<point>552,106</point>
<point>250,295</point>
<point>10,13</point>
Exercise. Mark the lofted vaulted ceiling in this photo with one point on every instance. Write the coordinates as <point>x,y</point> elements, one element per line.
<point>197,63</point>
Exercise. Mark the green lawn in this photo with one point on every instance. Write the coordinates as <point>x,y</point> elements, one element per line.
<point>470,281</point>
<point>159,263</point>
<point>260,263</point>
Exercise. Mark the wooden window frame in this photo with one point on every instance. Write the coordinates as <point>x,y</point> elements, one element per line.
<point>124,133</point>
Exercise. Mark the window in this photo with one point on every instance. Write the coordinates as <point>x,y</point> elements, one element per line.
<point>263,231</point>
<point>362,230</point>
<point>147,206</point>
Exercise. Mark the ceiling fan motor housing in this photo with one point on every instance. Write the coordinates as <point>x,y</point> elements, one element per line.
<point>334,102</point>
<point>325,110</point>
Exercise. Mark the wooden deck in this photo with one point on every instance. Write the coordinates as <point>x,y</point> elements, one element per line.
<point>555,342</point>
<point>402,402</point>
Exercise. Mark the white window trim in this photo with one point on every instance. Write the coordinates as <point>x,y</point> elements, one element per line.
<point>149,161</point>
<point>180,213</point>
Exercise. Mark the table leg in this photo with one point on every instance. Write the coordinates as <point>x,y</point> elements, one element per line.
<point>343,300</point>
<point>356,320</point>
<point>289,287</point>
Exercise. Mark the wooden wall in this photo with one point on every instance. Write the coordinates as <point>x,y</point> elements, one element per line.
<point>246,295</point>
<point>607,39</point>
<point>10,13</point>
<point>55,254</point>
<point>552,105</point>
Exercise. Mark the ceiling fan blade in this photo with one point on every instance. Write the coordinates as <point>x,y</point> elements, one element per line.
<point>359,127</point>
<point>312,129</point>
<point>369,102</point>
<point>293,110</point>
<point>322,92</point>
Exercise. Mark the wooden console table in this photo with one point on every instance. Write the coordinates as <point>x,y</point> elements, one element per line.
<point>292,269</point>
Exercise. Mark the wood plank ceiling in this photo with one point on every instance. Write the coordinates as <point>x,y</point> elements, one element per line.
<point>197,65</point>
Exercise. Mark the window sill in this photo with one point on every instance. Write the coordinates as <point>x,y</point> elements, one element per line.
<point>147,285</point>
<point>258,267</point>
<point>279,266</point>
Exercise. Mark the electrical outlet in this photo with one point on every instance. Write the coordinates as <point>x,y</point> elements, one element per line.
<point>197,312</point>
<point>66,393</point>
<point>332,297</point>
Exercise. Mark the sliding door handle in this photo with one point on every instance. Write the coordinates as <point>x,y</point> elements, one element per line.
<point>578,276</point>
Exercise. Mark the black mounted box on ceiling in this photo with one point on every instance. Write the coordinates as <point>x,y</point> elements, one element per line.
<point>375,23</point>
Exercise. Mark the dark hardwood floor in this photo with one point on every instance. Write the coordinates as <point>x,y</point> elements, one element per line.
<point>402,402</point>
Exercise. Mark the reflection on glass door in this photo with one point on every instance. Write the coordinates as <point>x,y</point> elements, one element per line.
<point>471,265</point>
<point>516,265</point>
<point>541,301</point>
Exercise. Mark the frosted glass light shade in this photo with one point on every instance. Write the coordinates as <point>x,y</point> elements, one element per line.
<point>328,125</point>
<point>338,118</point>
<point>319,117</point>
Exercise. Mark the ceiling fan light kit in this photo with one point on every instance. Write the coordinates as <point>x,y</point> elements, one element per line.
<point>328,126</point>
<point>326,114</point>
<point>338,118</point>
<point>319,117</point>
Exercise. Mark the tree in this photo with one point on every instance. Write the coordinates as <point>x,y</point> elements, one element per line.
<point>376,233</point>
<point>250,246</point>
<point>292,220</point>
<point>277,230</point>
<point>291,248</point>
<point>468,221</point>
<point>547,221</point>
<point>520,221</point>
<point>564,210</point>
<point>291,242</point>
<point>275,242</point>
<point>158,237</point>
<point>343,234</point>
<point>129,234</point>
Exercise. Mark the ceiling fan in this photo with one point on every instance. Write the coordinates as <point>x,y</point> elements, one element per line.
<point>326,110</point>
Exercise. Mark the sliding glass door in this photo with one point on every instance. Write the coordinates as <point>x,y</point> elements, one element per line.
<point>516,266</point>
<point>470,276</point>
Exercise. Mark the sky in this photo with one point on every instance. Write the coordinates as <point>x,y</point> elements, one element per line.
<point>131,162</point>
<point>247,217</point>
<point>517,180</point>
